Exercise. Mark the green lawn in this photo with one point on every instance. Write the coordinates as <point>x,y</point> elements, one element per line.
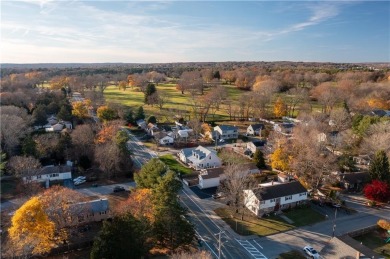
<point>170,161</point>
<point>269,225</point>
<point>375,241</point>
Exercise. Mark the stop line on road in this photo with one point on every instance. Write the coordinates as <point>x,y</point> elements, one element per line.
<point>251,249</point>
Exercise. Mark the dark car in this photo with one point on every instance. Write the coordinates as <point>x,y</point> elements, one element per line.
<point>119,189</point>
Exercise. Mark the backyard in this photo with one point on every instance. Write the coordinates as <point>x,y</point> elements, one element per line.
<point>174,165</point>
<point>375,240</point>
<point>269,225</point>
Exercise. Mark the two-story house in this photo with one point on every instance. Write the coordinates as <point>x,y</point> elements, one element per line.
<point>254,129</point>
<point>210,177</point>
<point>200,157</point>
<point>274,197</point>
<point>225,132</point>
<point>255,145</point>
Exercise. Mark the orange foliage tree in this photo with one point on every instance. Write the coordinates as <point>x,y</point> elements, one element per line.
<point>280,108</point>
<point>139,204</point>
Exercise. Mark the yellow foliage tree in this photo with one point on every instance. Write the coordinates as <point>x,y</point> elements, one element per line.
<point>280,160</point>
<point>31,230</point>
<point>378,103</point>
<point>280,108</point>
<point>80,109</point>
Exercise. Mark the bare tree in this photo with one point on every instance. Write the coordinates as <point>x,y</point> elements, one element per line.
<point>340,119</point>
<point>236,179</point>
<point>83,141</point>
<point>378,138</point>
<point>23,166</point>
<point>192,255</point>
<point>13,128</point>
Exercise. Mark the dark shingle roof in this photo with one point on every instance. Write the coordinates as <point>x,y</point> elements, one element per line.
<point>257,126</point>
<point>259,143</point>
<point>212,173</point>
<point>50,170</point>
<point>279,190</point>
<point>353,178</point>
<point>227,127</point>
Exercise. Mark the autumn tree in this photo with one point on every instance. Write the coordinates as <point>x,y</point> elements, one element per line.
<point>280,108</point>
<point>83,144</point>
<point>123,237</point>
<point>139,204</point>
<point>280,159</point>
<point>379,167</point>
<point>32,232</point>
<point>201,254</point>
<point>377,191</point>
<point>12,129</point>
<point>105,113</point>
<point>23,166</point>
<point>382,223</point>
<point>150,173</point>
<point>376,137</point>
<point>59,205</point>
<point>237,179</point>
<point>80,109</point>
<point>122,85</point>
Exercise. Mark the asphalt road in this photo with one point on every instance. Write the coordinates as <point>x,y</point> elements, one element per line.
<point>208,231</point>
<point>139,153</point>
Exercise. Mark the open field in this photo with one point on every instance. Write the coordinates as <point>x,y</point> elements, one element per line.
<point>269,225</point>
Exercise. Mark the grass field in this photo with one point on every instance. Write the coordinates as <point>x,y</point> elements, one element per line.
<point>170,161</point>
<point>375,241</point>
<point>270,225</point>
<point>132,97</point>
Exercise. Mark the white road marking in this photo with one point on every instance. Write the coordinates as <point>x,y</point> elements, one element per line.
<point>251,249</point>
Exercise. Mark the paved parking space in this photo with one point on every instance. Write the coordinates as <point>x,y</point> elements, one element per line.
<point>251,249</point>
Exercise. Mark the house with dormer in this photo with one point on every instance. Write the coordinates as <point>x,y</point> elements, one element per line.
<point>200,157</point>
<point>223,132</point>
<point>254,129</point>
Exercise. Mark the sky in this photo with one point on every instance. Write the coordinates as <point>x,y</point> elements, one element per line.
<point>46,31</point>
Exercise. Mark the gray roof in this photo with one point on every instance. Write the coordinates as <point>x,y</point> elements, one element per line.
<point>279,190</point>
<point>211,172</point>
<point>94,206</point>
<point>187,151</point>
<point>353,178</point>
<point>259,143</point>
<point>257,126</point>
<point>51,170</point>
<point>227,127</point>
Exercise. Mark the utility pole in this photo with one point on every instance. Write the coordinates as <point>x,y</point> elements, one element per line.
<point>334,222</point>
<point>219,243</point>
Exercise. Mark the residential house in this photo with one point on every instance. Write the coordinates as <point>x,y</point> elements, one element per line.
<point>142,124</point>
<point>199,157</point>
<point>274,197</point>
<point>284,128</point>
<point>254,129</point>
<point>255,145</point>
<point>210,177</point>
<point>48,174</point>
<point>252,168</point>
<point>91,211</point>
<point>55,128</point>
<point>354,181</point>
<point>225,132</point>
<point>166,140</point>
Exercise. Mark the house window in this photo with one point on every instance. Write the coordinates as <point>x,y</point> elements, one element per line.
<point>210,157</point>
<point>302,194</point>
<point>39,176</point>
<point>272,200</point>
<point>103,212</point>
<point>288,198</point>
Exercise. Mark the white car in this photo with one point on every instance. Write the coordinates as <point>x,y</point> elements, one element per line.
<point>80,181</point>
<point>79,178</point>
<point>310,251</point>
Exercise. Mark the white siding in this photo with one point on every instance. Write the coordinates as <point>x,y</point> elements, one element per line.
<point>208,183</point>
<point>51,177</point>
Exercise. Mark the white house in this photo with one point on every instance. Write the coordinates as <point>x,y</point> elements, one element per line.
<point>167,140</point>
<point>255,145</point>
<point>225,132</point>
<point>210,177</point>
<point>199,157</point>
<point>275,197</point>
<point>49,173</point>
<point>254,129</point>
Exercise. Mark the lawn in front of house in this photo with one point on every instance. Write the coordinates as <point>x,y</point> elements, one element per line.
<point>375,240</point>
<point>174,165</point>
<point>269,225</point>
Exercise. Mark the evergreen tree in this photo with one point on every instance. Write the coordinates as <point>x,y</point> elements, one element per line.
<point>152,119</point>
<point>29,147</point>
<point>121,139</point>
<point>129,116</point>
<point>124,237</point>
<point>150,89</point>
<point>379,167</point>
<point>171,228</point>
<point>140,113</point>
<point>150,173</point>
<point>258,158</point>
<point>39,115</point>
<point>217,75</point>
<point>64,114</point>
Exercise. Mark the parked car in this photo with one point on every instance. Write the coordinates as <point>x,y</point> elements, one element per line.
<point>217,195</point>
<point>79,181</point>
<point>310,251</point>
<point>119,189</point>
<point>222,140</point>
<point>79,178</point>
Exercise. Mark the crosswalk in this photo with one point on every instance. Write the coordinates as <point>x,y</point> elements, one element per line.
<point>251,249</point>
